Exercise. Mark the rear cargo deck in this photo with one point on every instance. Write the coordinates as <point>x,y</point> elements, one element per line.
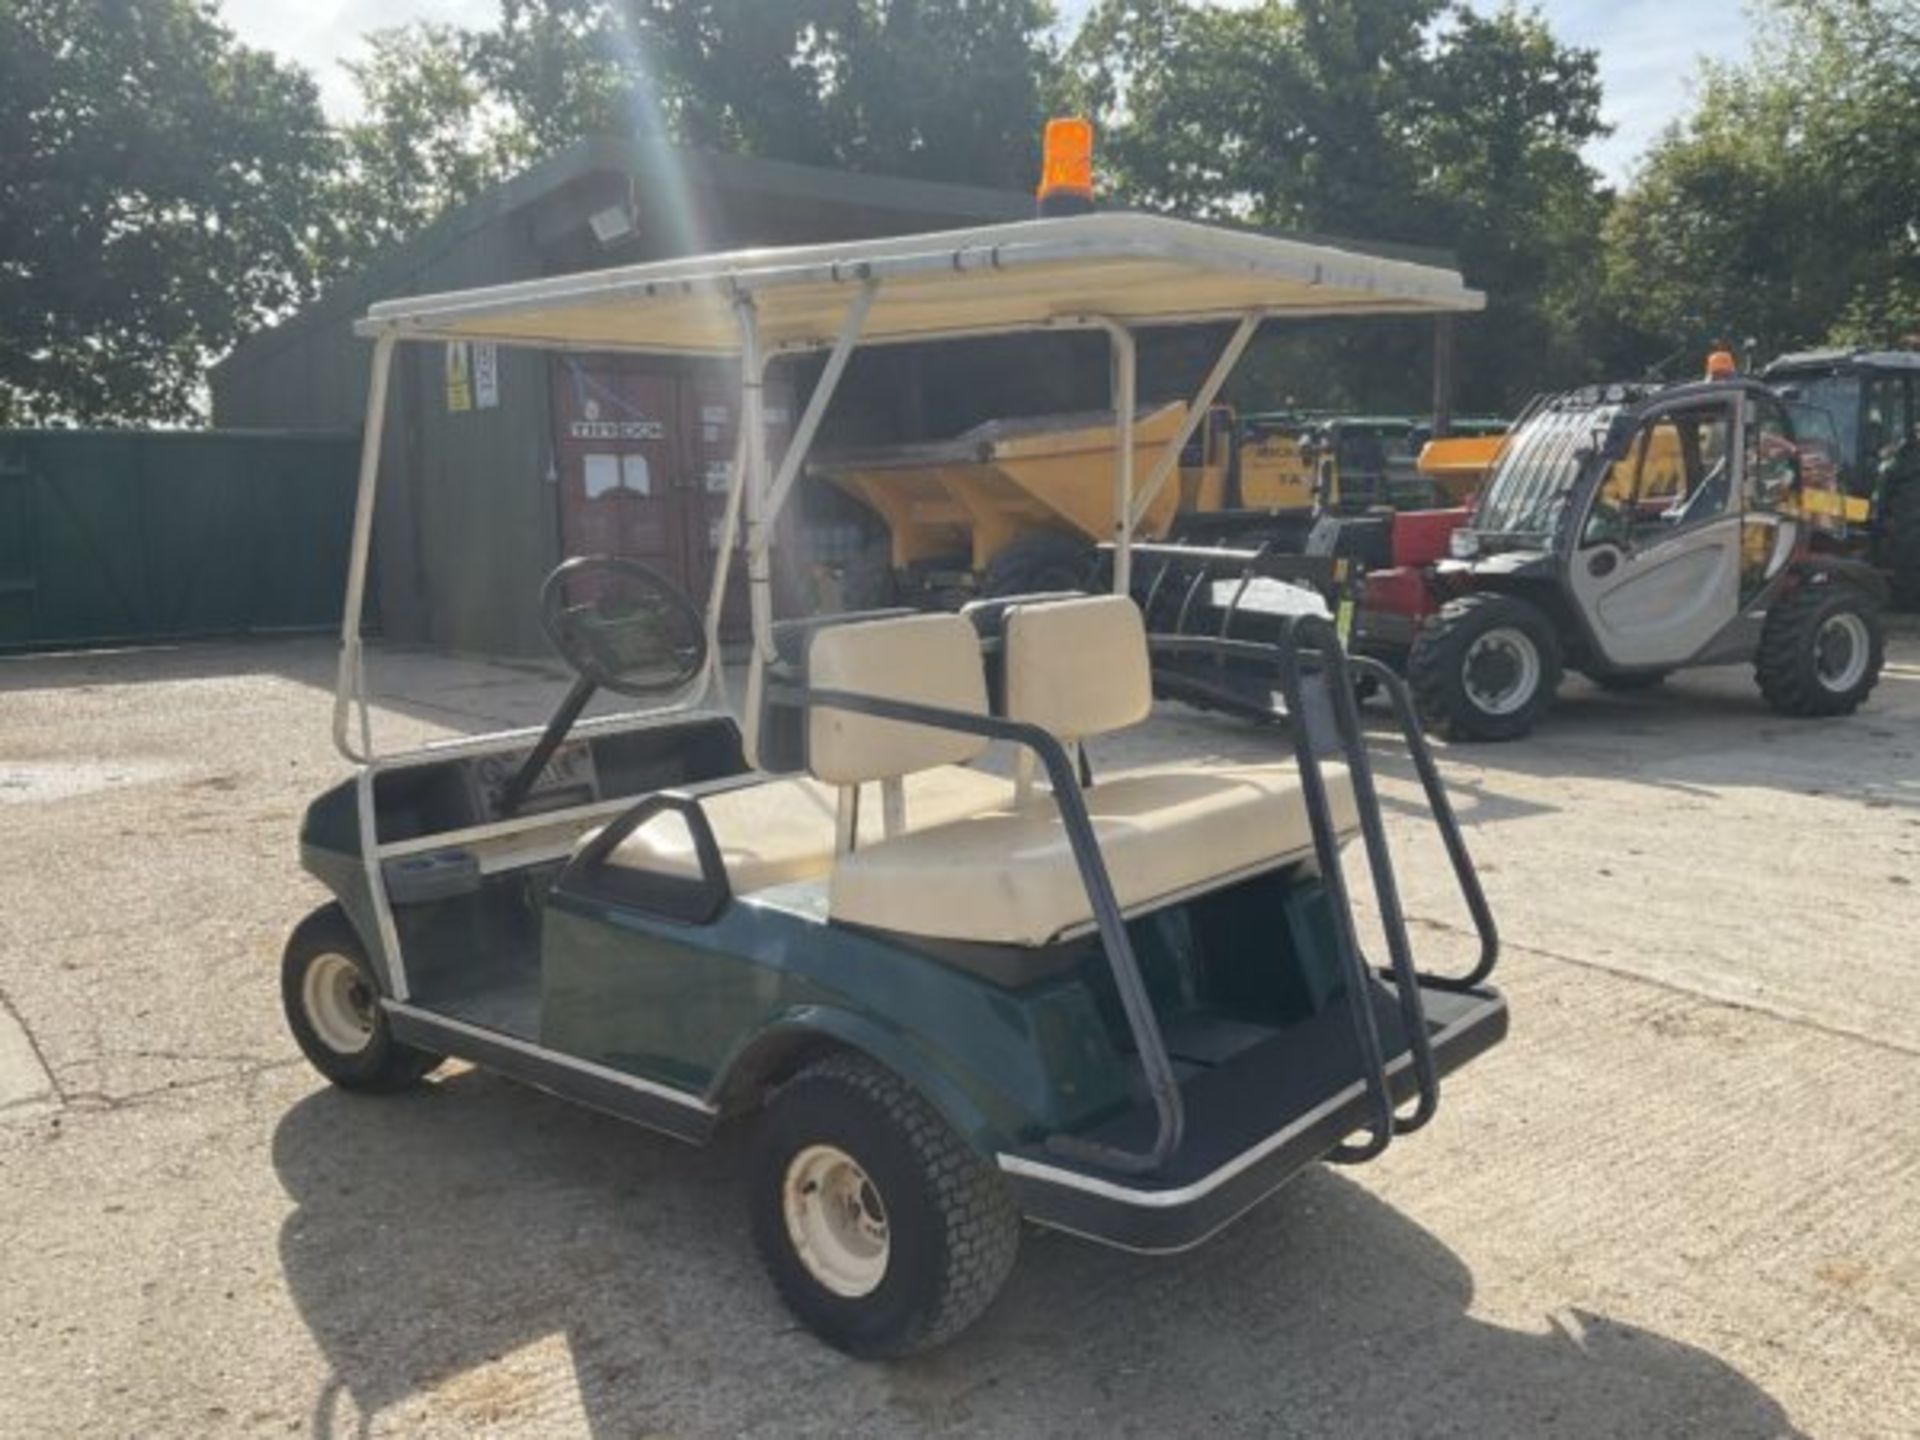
<point>1253,1120</point>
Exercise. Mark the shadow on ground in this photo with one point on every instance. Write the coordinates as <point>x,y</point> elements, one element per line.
<point>436,1233</point>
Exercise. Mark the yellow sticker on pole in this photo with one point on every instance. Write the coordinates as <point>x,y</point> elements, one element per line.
<point>459,377</point>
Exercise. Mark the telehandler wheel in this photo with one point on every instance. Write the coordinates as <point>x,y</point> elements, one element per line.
<point>1821,650</point>
<point>883,1232</point>
<point>1039,564</point>
<point>1900,542</point>
<point>1485,667</point>
<point>332,1001</point>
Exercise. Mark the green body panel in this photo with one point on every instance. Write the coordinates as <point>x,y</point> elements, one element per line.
<point>330,852</point>
<point>684,1004</point>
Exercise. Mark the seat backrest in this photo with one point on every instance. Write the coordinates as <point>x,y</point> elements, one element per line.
<point>1077,667</point>
<point>923,659</point>
<point>773,735</point>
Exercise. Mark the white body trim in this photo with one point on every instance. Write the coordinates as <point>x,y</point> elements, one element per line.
<point>553,1057</point>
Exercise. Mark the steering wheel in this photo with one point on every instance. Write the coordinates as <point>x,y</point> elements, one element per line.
<point>623,626</point>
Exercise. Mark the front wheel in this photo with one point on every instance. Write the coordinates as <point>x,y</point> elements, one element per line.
<point>1820,651</point>
<point>1485,667</point>
<point>332,1001</point>
<point>883,1232</point>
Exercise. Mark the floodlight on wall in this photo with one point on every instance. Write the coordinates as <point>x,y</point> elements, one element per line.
<point>613,224</point>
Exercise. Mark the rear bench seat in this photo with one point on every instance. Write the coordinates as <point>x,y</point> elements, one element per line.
<point>1075,668</point>
<point>975,857</point>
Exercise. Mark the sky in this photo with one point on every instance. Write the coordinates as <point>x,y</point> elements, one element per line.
<point>1649,49</point>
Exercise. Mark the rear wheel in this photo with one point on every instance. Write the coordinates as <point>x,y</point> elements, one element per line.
<point>1485,667</point>
<point>1037,564</point>
<point>1821,650</point>
<point>1900,540</point>
<point>332,1001</point>
<point>883,1232</point>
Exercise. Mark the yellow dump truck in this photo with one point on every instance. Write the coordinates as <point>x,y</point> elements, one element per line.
<point>1019,506</point>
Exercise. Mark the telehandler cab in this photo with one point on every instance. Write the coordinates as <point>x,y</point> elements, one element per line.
<point>1873,397</point>
<point>944,996</point>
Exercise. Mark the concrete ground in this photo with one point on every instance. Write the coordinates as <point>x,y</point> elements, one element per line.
<point>1684,1199</point>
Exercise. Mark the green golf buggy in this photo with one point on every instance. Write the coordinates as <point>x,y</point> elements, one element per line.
<point>891,915</point>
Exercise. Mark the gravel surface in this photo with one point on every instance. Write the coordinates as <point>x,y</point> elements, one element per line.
<point>1684,1199</point>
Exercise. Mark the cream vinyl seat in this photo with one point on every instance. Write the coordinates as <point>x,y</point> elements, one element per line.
<point>1075,668</point>
<point>778,831</point>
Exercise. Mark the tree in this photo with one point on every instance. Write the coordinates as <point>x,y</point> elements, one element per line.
<point>159,186</point>
<point>1786,208</point>
<point>430,138</point>
<point>942,89</point>
<point>1408,121</point>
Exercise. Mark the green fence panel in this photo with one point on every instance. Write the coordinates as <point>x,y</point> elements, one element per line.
<point>123,537</point>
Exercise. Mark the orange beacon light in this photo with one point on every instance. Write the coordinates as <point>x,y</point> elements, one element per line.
<point>1066,168</point>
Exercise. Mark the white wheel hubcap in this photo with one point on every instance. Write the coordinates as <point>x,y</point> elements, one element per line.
<point>339,1004</point>
<point>1840,652</point>
<point>1501,670</point>
<point>836,1221</point>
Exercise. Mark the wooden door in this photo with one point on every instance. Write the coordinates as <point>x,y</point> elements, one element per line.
<point>619,443</point>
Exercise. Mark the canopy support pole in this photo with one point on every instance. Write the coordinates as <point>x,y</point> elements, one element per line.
<point>715,679</point>
<point>1123,384</point>
<point>1196,413</point>
<point>753,457</point>
<point>823,390</point>
<point>767,497</point>
<point>350,686</point>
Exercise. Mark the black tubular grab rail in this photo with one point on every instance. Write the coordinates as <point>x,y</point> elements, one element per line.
<point>1134,1001</point>
<point>1286,659</point>
<point>695,901</point>
<point>1336,689</point>
<point>1311,642</point>
<point>1435,789</point>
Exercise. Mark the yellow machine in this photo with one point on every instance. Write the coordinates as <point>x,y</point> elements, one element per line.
<point>1024,502</point>
<point>1457,464</point>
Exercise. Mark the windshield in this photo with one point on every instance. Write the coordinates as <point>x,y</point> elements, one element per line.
<point>1538,468</point>
<point>1839,396</point>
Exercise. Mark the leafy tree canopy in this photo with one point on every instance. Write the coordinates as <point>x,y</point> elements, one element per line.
<point>158,197</point>
<point>1413,121</point>
<point>1786,208</point>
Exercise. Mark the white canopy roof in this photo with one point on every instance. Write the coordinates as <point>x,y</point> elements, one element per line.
<point>1140,270</point>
